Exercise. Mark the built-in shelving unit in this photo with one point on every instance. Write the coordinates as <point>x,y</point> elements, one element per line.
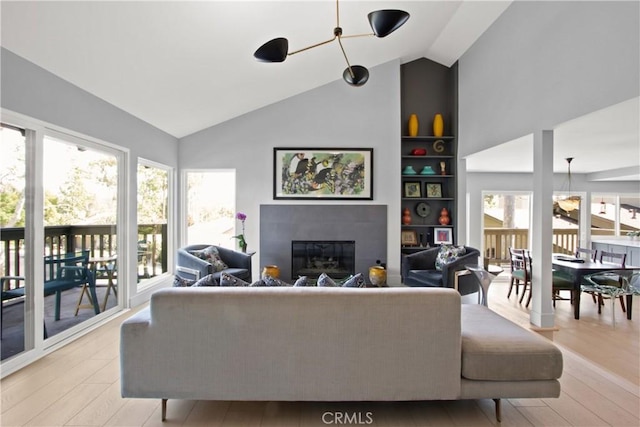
<point>428,88</point>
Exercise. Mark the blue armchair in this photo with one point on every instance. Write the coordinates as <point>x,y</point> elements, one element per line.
<point>239,263</point>
<point>419,269</point>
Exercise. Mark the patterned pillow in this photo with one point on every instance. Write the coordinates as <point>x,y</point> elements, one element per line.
<point>356,281</point>
<point>181,282</point>
<point>274,281</point>
<point>448,254</point>
<point>227,279</point>
<point>302,281</point>
<point>324,280</point>
<point>207,280</point>
<point>212,256</point>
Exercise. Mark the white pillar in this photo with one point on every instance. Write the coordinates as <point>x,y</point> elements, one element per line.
<point>542,229</point>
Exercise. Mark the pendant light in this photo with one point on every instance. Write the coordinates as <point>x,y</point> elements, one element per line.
<point>603,207</point>
<point>569,203</point>
<point>382,22</point>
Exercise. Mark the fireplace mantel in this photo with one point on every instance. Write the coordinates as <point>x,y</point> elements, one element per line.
<point>281,224</point>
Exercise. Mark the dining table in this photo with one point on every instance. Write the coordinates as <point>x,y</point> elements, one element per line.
<point>575,269</point>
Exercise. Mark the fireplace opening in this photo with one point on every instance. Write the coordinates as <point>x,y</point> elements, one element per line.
<point>311,258</point>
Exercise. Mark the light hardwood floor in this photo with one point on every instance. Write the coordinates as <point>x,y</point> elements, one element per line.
<point>78,385</point>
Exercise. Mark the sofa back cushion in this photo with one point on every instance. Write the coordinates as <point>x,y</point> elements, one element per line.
<point>297,343</point>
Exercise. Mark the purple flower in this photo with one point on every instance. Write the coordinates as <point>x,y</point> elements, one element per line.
<point>241,216</point>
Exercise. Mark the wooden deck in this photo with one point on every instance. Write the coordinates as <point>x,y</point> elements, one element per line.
<point>79,385</point>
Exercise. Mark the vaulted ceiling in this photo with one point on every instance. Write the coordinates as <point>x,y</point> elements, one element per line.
<point>185,66</point>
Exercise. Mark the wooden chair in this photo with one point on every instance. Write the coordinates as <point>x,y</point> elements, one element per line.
<point>513,281</point>
<point>521,272</point>
<point>584,253</point>
<point>562,283</point>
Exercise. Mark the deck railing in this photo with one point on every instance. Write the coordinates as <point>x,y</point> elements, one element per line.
<point>99,240</point>
<point>497,242</point>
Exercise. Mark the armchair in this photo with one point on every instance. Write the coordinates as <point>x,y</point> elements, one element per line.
<point>419,269</point>
<point>239,263</point>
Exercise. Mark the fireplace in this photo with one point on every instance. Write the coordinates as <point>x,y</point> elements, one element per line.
<point>312,257</point>
<point>365,226</point>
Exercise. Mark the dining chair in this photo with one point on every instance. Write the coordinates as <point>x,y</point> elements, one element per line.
<point>587,254</point>
<point>616,258</point>
<point>521,272</point>
<point>514,282</point>
<point>614,284</point>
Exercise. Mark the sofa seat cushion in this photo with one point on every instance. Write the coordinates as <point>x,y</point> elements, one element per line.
<point>496,349</point>
<point>429,278</point>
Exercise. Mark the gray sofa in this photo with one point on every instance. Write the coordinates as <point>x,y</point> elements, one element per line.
<point>330,344</point>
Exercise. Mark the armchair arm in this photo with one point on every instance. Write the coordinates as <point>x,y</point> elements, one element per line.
<point>235,259</point>
<point>449,270</point>
<point>423,260</point>
<point>185,259</point>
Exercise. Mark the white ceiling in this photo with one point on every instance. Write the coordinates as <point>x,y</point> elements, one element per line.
<point>185,66</point>
<point>604,144</point>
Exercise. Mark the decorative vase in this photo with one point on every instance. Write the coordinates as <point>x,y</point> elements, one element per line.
<point>438,125</point>
<point>243,247</point>
<point>406,216</point>
<point>378,275</point>
<point>444,217</point>
<point>443,168</point>
<point>271,270</point>
<point>413,125</point>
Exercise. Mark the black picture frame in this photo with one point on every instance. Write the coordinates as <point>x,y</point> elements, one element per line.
<point>322,173</point>
<point>412,190</point>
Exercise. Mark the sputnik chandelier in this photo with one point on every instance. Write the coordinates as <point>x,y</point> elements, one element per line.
<point>383,22</point>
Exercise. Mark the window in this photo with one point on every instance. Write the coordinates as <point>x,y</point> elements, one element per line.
<point>153,213</point>
<point>211,207</point>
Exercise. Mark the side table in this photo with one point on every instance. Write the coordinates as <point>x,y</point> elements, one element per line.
<point>484,278</point>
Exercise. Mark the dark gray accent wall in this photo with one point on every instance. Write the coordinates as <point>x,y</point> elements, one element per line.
<point>280,224</point>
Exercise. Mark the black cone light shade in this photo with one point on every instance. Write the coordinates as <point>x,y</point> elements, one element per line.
<point>273,51</point>
<point>385,22</point>
<point>360,75</point>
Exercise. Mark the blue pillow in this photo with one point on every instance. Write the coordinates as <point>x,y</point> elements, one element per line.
<point>448,254</point>
<point>181,282</point>
<point>207,280</point>
<point>302,281</point>
<point>324,280</point>
<point>227,279</point>
<point>356,281</point>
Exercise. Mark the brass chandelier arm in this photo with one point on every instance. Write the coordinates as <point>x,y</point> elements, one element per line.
<point>345,58</point>
<point>358,35</point>
<point>312,46</point>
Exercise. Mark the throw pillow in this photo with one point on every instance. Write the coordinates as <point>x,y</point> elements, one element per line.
<point>207,280</point>
<point>448,254</point>
<point>213,257</point>
<point>181,282</point>
<point>302,281</point>
<point>273,281</point>
<point>355,281</point>
<point>324,280</point>
<point>227,279</point>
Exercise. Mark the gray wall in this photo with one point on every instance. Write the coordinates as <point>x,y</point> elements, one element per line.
<point>539,65</point>
<point>35,92</point>
<point>543,63</point>
<point>334,115</point>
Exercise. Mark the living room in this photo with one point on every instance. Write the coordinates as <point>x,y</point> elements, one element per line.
<point>511,83</point>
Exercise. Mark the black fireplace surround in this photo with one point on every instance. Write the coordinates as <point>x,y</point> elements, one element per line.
<point>364,225</point>
<point>313,257</point>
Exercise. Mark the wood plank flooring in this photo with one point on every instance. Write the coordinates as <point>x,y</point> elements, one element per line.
<point>78,385</point>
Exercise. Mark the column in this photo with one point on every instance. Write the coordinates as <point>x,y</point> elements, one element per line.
<point>542,229</point>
